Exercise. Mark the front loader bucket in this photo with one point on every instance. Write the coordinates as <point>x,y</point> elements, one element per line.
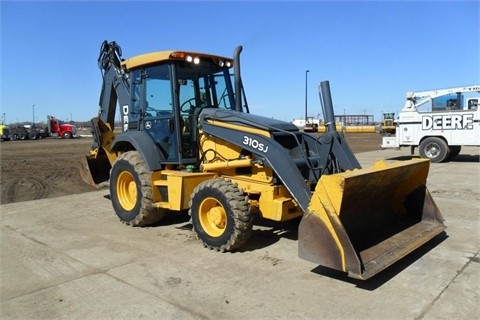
<point>362,221</point>
<point>95,170</point>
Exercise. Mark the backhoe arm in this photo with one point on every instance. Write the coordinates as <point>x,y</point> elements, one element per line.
<point>115,85</point>
<point>115,89</point>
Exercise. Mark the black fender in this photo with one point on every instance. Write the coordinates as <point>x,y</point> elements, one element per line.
<point>144,144</point>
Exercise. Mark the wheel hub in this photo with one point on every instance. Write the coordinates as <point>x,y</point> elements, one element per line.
<point>126,190</point>
<point>432,151</point>
<point>216,216</point>
<point>213,217</point>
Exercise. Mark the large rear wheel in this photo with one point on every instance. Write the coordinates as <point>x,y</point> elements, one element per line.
<point>131,191</point>
<point>220,215</point>
<point>434,149</point>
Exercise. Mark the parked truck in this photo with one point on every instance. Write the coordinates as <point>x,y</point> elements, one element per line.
<point>20,132</point>
<point>54,128</point>
<point>61,129</point>
<point>452,120</point>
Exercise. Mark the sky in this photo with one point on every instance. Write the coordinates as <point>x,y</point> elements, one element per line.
<point>371,52</point>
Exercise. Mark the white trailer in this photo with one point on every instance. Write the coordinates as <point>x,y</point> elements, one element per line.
<point>452,121</point>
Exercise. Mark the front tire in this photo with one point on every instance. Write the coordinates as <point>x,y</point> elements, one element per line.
<point>220,215</point>
<point>131,191</point>
<point>434,149</point>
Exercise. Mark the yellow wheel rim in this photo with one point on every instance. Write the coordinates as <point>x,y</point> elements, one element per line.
<point>126,190</point>
<point>213,217</point>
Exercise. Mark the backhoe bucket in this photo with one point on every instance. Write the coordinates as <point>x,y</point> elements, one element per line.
<point>362,221</point>
<point>95,170</point>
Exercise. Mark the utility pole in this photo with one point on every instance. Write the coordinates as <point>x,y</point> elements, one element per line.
<point>33,120</point>
<point>306,87</point>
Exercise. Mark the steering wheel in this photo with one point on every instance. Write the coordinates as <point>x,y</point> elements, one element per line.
<point>183,107</point>
<point>147,109</point>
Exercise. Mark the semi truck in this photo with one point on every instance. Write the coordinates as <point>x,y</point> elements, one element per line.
<point>438,122</point>
<point>61,129</point>
<point>54,128</point>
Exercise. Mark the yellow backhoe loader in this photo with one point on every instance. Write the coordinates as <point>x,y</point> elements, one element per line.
<point>188,141</point>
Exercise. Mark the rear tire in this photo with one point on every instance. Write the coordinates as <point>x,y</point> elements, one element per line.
<point>434,149</point>
<point>454,151</point>
<point>220,215</point>
<point>131,191</point>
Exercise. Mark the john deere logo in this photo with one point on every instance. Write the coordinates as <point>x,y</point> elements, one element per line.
<point>448,122</point>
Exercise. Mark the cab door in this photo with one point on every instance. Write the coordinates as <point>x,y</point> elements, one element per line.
<point>158,115</point>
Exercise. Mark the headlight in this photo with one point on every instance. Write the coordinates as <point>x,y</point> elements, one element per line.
<point>195,60</point>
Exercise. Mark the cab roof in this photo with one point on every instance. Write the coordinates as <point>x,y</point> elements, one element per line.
<point>168,55</point>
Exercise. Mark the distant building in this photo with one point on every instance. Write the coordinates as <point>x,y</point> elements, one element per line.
<point>344,120</point>
<point>355,119</point>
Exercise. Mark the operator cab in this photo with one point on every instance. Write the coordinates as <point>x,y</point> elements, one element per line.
<point>167,97</point>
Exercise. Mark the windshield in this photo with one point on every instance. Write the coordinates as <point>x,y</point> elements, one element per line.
<point>204,88</point>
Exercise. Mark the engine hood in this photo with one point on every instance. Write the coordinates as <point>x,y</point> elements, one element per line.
<point>246,119</point>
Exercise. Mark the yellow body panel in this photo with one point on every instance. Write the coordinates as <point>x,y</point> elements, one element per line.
<point>146,58</point>
<point>223,158</point>
<point>272,202</point>
<point>218,150</point>
<point>179,187</point>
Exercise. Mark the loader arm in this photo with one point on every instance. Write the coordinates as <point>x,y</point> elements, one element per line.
<point>273,155</point>
<point>327,154</point>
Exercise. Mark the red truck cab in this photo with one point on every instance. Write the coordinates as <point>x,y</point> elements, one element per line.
<point>58,128</point>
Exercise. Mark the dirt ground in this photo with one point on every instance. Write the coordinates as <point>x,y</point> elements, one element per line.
<point>46,168</point>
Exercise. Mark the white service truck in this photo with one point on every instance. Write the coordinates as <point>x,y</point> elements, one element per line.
<point>452,120</point>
